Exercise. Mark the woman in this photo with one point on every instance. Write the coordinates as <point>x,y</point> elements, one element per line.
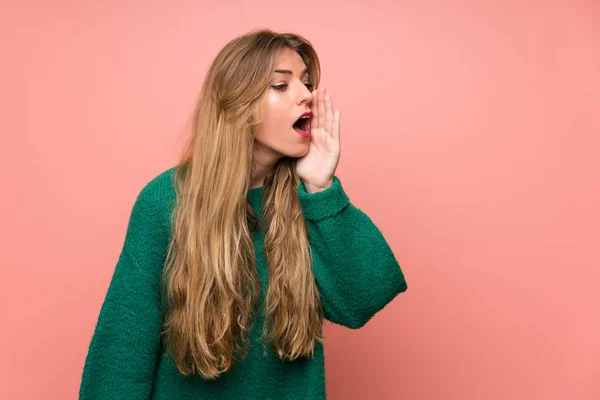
<point>233,258</point>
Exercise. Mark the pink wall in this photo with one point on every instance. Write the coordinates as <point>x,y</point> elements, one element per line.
<point>470,136</point>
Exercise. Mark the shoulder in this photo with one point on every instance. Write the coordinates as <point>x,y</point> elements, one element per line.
<point>155,201</point>
<point>158,193</point>
<point>149,227</point>
<point>161,188</point>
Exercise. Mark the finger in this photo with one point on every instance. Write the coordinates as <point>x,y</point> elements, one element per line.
<point>335,131</point>
<point>314,123</point>
<point>321,107</point>
<point>328,113</point>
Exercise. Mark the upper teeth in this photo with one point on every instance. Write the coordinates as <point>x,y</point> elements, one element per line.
<point>305,116</point>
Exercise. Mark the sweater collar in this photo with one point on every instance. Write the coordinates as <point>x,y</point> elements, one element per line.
<point>255,196</point>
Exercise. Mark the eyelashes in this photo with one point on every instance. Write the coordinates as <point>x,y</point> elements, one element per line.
<point>283,86</point>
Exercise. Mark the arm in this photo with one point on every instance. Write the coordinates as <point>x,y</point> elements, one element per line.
<point>125,346</point>
<point>354,267</point>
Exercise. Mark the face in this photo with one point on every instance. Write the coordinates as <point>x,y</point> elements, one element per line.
<point>288,96</point>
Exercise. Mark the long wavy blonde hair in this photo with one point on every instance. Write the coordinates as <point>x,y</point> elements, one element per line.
<point>210,278</point>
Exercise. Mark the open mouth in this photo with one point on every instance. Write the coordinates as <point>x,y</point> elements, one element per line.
<point>302,125</point>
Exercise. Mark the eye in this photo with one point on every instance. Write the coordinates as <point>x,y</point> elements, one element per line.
<point>283,86</point>
<point>280,88</point>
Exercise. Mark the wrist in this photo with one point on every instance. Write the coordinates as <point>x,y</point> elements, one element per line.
<point>317,188</point>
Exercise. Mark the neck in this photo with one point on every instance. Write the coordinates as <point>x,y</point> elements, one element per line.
<point>263,162</point>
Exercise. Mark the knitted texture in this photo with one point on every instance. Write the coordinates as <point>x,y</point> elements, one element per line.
<point>355,270</point>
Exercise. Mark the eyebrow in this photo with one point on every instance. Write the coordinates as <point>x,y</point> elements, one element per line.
<point>287,71</point>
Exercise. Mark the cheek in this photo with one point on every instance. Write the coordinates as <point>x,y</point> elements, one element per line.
<point>278,135</point>
<point>275,120</point>
<point>276,131</point>
<point>275,111</point>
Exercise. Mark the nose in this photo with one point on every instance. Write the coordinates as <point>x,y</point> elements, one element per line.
<point>305,96</point>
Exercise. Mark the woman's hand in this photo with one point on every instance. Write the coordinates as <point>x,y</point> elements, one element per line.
<point>317,168</point>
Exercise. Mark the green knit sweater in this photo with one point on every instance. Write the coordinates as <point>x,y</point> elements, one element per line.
<point>355,270</point>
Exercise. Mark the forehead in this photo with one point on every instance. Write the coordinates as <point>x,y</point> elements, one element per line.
<point>289,60</point>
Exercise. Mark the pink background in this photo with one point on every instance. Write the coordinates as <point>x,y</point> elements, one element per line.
<point>469,135</point>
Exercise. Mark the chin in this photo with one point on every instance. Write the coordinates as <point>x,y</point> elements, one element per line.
<point>299,151</point>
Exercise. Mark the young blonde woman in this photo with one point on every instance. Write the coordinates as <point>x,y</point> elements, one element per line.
<point>233,258</point>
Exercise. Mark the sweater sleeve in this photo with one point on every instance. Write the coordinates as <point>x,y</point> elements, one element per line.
<point>355,269</point>
<point>125,346</point>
